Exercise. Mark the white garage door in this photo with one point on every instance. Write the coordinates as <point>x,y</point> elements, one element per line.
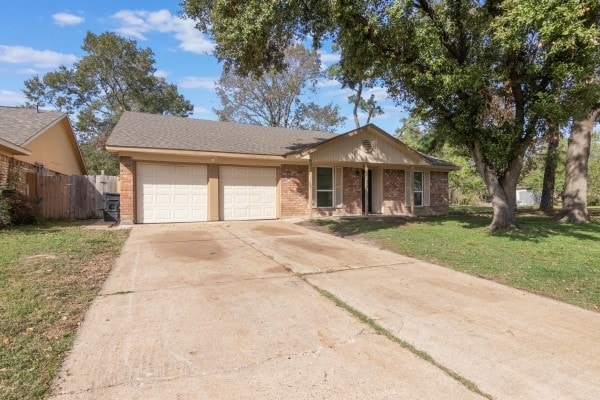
<point>248,193</point>
<point>171,193</point>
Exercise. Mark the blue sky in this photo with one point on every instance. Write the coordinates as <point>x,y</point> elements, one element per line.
<point>36,36</point>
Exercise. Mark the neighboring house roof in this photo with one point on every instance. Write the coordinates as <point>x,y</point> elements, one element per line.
<point>20,125</point>
<point>40,137</point>
<point>150,131</point>
<point>139,130</point>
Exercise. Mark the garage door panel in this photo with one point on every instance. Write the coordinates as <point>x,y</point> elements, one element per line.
<point>171,192</point>
<point>247,192</point>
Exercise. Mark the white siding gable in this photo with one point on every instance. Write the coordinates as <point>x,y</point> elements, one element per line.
<point>351,148</point>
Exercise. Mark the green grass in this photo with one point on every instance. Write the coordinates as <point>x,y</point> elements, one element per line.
<point>561,261</point>
<point>49,274</point>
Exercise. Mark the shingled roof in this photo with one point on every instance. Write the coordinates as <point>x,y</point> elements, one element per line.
<point>19,125</point>
<point>140,130</point>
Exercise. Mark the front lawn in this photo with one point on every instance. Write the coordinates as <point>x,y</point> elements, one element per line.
<point>49,275</point>
<point>542,256</point>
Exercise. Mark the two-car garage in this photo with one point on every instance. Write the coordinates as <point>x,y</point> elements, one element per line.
<point>180,192</point>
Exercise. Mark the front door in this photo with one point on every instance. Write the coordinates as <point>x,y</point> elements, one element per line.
<point>370,194</point>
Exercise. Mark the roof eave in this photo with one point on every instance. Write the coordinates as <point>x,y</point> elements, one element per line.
<point>216,154</point>
<point>14,149</point>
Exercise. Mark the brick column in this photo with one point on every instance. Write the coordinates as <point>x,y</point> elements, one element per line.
<point>127,182</point>
<point>294,190</point>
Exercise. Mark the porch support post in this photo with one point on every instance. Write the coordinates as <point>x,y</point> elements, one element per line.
<point>310,189</point>
<point>366,212</point>
<point>412,190</point>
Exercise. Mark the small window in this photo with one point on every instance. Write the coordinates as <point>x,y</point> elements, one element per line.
<point>324,187</point>
<point>418,188</point>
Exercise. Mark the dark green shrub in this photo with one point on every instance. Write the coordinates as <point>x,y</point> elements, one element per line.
<point>17,209</point>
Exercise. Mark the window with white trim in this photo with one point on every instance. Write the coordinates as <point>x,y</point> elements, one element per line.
<point>325,187</point>
<point>418,188</point>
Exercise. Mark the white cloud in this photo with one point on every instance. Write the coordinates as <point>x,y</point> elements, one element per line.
<point>137,23</point>
<point>28,71</point>
<point>329,58</point>
<point>341,94</point>
<point>37,58</point>
<point>10,98</point>
<point>200,110</point>
<point>323,83</point>
<point>380,94</point>
<point>161,73</point>
<point>198,82</point>
<point>64,19</point>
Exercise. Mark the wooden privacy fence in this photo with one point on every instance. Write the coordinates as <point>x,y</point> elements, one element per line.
<point>73,197</point>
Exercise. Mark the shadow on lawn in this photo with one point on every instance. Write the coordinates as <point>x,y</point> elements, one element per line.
<point>43,226</point>
<point>531,227</point>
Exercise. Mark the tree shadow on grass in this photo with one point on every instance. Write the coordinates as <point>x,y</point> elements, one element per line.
<point>352,226</point>
<point>532,228</point>
<point>41,227</point>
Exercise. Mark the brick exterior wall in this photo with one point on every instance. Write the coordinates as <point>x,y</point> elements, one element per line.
<point>352,191</point>
<point>394,202</point>
<point>21,170</point>
<point>352,195</point>
<point>294,193</point>
<point>439,192</point>
<point>127,184</point>
<point>294,190</point>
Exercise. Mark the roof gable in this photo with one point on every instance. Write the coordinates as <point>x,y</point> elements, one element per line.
<point>149,131</point>
<point>370,144</point>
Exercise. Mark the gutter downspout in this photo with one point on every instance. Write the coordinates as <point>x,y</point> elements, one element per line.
<point>310,189</point>
<point>366,189</point>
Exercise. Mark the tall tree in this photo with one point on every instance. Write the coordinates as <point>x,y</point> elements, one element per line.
<point>576,172</point>
<point>357,81</point>
<point>368,106</point>
<point>550,164</point>
<point>112,77</point>
<point>486,74</point>
<point>594,171</point>
<point>274,97</point>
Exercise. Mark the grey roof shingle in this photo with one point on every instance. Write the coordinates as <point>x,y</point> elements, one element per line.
<point>438,162</point>
<point>178,133</point>
<point>18,125</point>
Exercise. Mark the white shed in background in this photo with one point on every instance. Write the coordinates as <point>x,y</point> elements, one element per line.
<point>526,197</point>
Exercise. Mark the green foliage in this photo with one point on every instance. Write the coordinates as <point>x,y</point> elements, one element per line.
<point>532,175</point>
<point>594,172</point>
<point>97,160</point>
<point>4,211</point>
<point>114,76</point>
<point>17,209</point>
<point>273,98</point>
<point>465,185</point>
<point>487,76</point>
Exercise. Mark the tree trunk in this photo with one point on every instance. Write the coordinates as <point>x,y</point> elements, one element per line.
<point>356,103</point>
<point>550,163</point>
<point>578,153</point>
<point>503,192</point>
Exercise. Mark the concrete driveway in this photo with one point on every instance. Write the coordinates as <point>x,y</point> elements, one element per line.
<point>217,310</point>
